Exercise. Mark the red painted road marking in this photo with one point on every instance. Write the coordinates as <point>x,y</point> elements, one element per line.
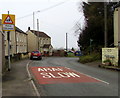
<point>52,75</point>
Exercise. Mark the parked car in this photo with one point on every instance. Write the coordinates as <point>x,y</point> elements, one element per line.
<point>36,55</point>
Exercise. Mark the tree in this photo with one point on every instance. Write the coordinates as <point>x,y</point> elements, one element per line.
<point>94,15</point>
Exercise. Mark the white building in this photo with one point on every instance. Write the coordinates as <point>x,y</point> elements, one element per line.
<point>117,26</point>
<point>38,40</point>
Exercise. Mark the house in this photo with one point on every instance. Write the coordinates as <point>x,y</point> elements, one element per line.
<point>40,41</point>
<point>117,28</point>
<point>117,25</point>
<point>47,49</point>
<point>21,42</point>
<point>32,41</point>
<point>18,43</point>
<point>2,52</point>
<point>44,43</point>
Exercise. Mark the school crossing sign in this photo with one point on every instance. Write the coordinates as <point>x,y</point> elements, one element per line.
<point>8,22</point>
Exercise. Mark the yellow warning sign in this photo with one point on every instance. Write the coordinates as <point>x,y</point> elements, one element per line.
<point>8,22</point>
<point>8,19</point>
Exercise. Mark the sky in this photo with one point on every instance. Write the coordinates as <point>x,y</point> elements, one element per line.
<point>55,21</point>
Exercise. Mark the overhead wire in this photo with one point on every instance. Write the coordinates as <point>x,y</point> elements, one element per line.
<point>43,10</point>
<point>52,7</point>
<point>25,16</point>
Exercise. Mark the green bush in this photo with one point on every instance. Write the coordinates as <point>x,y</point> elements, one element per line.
<point>71,55</point>
<point>90,58</point>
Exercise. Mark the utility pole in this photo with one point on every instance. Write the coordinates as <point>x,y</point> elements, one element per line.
<point>105,23</point>
<point>66,42</point>
<point>33,20</point>
<point>37,24</point>
<point>38,32</point>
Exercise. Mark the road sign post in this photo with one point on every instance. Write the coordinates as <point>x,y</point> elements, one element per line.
<point>8,24</point>
<point>9,65</point>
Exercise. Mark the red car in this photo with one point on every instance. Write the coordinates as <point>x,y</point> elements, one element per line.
<point>36,55</point>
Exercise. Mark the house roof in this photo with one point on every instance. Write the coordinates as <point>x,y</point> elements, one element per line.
<point>19,30</point>
<point>117,5</point>
<point>47,45</point>
<point>40,34</point>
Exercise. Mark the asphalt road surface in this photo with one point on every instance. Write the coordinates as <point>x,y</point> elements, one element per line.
<point>61,76</point>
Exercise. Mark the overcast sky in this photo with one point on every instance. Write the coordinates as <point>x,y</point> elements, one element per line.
<point>56,22</point>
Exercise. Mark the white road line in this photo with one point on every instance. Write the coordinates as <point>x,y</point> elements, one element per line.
<point>32,82</point>
<point>90,76</point>
<point>96,78</point>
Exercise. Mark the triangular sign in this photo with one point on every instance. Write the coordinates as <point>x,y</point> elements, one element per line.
<point>8,20</point>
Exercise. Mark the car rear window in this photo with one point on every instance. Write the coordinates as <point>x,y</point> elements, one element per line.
<point>35,52</point>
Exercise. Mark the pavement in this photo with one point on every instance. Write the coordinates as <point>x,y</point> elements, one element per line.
<point>16,82</point>
<point>94,64</point>
<point>99,64</point>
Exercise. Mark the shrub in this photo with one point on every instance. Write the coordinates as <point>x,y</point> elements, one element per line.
<point>90,58</point>
<point>71,55</point>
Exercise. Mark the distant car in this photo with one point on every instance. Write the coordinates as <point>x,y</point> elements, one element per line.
<point>36,55</point>
<point>78,53</point>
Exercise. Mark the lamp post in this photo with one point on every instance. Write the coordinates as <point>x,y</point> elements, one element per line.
<point>34,18</point>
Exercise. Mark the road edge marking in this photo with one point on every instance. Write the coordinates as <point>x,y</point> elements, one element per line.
<point>32,82</point>
<point>90,76</point>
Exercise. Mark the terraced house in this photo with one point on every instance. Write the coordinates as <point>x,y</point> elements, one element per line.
<point>38,40</point>
<point>18,43</point>
<point>21,42</point>
<point>2,52</point>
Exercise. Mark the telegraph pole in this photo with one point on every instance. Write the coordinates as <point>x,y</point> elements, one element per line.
<point>38,32</point>
<point>37,24</point>
<point>66,42</point>
<point>33,20</point>
<point>105,23</point>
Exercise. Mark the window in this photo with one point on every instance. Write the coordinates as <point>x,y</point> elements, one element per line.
<point>17,37</point>
<point>17,49</point>
<point>6,36</point>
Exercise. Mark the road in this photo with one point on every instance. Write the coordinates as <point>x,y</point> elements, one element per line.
<point>61,76</point>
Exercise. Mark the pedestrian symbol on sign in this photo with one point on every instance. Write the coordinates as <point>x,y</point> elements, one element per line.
<point>8,20</point>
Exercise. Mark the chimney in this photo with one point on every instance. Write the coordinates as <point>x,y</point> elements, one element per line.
<point>28,28</point>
